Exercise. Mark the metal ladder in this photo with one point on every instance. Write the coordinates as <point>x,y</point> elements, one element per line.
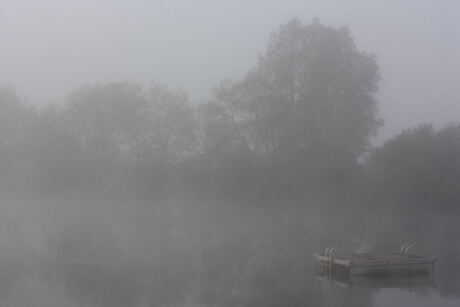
<point>407,247</point>
<point>329,252</point>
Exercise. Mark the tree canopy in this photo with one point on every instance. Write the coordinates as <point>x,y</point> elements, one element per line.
<point>310,98</point>
<point>419,168</point>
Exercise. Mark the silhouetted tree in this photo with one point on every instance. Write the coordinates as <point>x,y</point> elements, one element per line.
<point>16,124</point>
<point>419,168</point>
<point>309,101</point>
<point>107,118</point>
<point>14,116</point>
<point>171,132</point>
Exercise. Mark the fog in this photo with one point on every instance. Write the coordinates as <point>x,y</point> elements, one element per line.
<point>185,153</point>
<point>51,47</point>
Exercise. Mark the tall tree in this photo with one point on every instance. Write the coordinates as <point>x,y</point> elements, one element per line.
<point>107,118</point>
<point>418,169</point>
<point>310,100</point>
<point>14,117</point>
<point>16,120</point>
<point>172,128</point>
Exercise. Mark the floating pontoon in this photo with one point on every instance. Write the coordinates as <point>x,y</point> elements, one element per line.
<point>405,261</point>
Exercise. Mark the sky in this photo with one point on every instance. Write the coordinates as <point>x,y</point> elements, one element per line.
<point>50,47</point>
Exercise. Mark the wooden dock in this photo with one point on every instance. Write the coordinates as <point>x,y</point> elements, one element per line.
<point>375,264</point>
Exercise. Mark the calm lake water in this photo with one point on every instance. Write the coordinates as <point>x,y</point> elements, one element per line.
<point>36,290</point>
<point>402,291</point>
<point>86,263</point>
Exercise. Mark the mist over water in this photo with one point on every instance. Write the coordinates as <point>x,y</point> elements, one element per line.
<point>179,154</point>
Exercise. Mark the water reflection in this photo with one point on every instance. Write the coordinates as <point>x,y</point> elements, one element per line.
<point>99,287</point>
<point>384,290</point>
<point>386,281</point>
<point>92,268</point>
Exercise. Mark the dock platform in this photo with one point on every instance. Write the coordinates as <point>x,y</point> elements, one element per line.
<point>375,264</point>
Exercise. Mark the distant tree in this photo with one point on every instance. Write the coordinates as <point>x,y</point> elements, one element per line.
<point>171,133</point>
<point>107,119</point>
<point>17,121</point>
<point>14,117</point>
<point>221,138</point>
<point>419,168</point>
<point>215,128</point>
<point>309,101</point>
<point>154,125</point>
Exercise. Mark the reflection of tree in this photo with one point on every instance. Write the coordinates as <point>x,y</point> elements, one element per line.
<point>266,270</point>
<point>97,271</point>
<point>447,270</point>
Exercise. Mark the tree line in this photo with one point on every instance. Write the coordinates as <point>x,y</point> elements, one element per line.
<point>303,116</point>
<point>309,102</point>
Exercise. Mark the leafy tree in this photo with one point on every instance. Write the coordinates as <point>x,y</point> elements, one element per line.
<point>419,168</point>
<point>152,125</point>
<point>16,123</point>
<point>309,101</point>
<point>220,136</point>
<point>55,149</point>
<point>14,117</point>
<point>171,133</point>
<point>107,118</point>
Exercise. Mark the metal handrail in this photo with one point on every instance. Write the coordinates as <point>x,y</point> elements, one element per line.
<point>332,251</point>
<point>411,247</point>
<point>407,247</point>
<point>329,251</point>
<point>403,247</point>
